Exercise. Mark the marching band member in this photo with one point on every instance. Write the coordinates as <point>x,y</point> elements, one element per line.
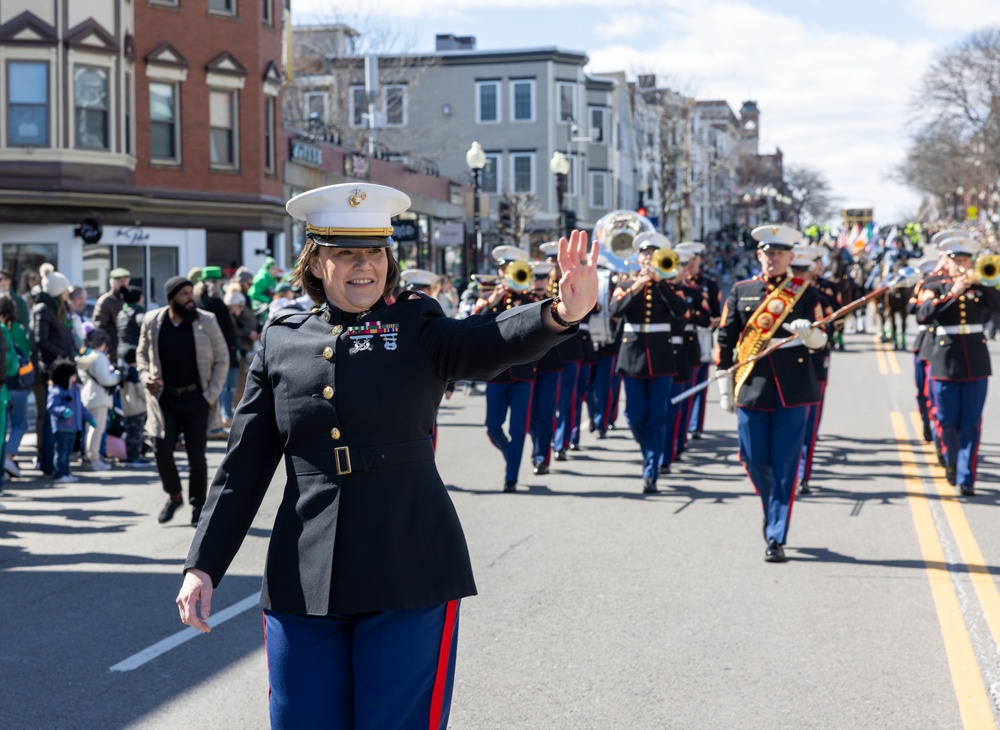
<point>922,346</point>
<point>511,389</point>
<point>607,351</point>
<point>957,306</point>
<point>772,393</point>
<point>696,277</point>
<point>698,324</point>
<point>543,401</point>
<point>646,358</point>
<point>571,354</point>
<point>688,355</point>
<point>805,261</point>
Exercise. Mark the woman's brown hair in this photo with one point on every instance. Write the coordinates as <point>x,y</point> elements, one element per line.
<point>304,278</point>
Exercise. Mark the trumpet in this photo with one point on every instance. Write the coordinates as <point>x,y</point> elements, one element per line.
<point>665,263</point>
<point>986,270</point>
<point>519,276</point>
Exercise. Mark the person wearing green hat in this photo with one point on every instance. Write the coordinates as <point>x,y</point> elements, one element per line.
<point>108,306</point>
<point>208,296</point>
<point>264,281</point>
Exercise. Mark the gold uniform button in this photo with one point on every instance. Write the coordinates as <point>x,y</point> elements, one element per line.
<point>328,392</point>
<point>801,360</point>
<point>338,329</point>
<point>328,352</point>
<point>335,434</point>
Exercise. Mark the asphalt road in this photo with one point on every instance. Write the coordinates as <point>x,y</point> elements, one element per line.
<point>597,607</point>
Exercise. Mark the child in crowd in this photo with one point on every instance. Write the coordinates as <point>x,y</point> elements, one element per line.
<point>66,414</point>
<point>134,407</point>
<point>99,380</point>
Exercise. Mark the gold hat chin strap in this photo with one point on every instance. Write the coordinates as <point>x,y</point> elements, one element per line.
<point>352,232</point>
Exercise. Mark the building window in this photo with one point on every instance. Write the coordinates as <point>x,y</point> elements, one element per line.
<point>567,101</point>
<point>571,176</point>
<point>222,120</point>
<point>522,96</point>
<point>172,3</point>
<point>395,106</point>
<point>598,189</point>
<point>227,7</point>
<point>163,121</point>
<point>597,124</point>
<point>27,104</point>
<point>522,168</point>
<point>359,105</point>
<point>268,12</point>
<point>489,178</point>
<point>128,113</point>
<point>315,106</point>
<point>487,101</point>
<point>269,148</point>
<point>90,96</point>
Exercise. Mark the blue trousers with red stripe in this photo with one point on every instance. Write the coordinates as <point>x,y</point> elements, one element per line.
<point>696,423</point>
<point>674,415</point>
<point>813,418</point>
<point>372,671</point>
<point>566,405</point>
<point>920,380</point>
<point>515,397</point>
<point>770,448</point>
<point>960,415</point>
<point>601,392</point>
<point>583,385</point>
<point>646,412</point>
<point>543,416</point>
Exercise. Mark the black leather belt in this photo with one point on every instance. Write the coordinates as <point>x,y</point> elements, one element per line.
<point>173,390</point>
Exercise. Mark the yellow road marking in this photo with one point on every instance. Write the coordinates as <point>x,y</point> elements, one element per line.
<point>893,362</point>
<point>880,357</point>
<point>982,581</point>
<point>973,704</point>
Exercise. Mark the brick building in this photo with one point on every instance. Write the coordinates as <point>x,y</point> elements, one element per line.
<point>140,133</point>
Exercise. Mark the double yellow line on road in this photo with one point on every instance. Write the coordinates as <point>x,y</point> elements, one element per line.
<point>886,358</point>
<point>973,702</point>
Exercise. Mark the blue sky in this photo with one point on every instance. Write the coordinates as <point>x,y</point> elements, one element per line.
<point>833,78</point>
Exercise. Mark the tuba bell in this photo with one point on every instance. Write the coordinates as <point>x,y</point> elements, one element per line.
<point>986,269</point>
<point>519,276</point>
<point>617,229</point>
<point>665,263</point>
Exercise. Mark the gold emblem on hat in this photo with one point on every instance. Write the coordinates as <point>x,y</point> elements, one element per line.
<point>774,231</point>
<point>357,197</point>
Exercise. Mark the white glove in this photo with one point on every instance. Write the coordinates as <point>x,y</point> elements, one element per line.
<point>812,338</point>
<point>726,393</point>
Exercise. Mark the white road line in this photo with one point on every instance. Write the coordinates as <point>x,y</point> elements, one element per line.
<point>184,635</point>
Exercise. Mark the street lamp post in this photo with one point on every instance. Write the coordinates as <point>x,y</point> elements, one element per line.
<point>475,158</point>
<point>560,166</point>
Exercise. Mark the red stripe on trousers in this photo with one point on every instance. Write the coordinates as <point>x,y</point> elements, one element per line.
<point>444,657</point>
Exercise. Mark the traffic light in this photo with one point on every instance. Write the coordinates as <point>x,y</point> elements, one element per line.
<point>505,218</point>
<point>641,210</point>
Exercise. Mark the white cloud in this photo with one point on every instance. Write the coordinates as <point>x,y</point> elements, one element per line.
<point>956,14</point>
<point>627,25</point>
<point>832,100</point>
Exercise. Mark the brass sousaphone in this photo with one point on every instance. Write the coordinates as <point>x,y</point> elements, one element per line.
<point>616,230</point>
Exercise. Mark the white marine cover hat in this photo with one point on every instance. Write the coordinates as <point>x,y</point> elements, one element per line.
<point>506,254</point>
<point>776,236</point>
<point>695,247</point>
<point>650,239</point>
<point>959,246</point>
<point>948,233</point>
<point>417,277</point>
<point>349,214</point>
<point>549,249</point>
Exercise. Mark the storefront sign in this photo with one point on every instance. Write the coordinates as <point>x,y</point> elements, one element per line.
<point>356,166</point>
<point>455,196</point>
<point>450,234</point>
<point>90,230</point>
<point>307,154</point>
<point>405,231</point>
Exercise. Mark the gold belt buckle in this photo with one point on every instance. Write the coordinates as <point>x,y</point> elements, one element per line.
<point>337,452</point>
<point>964,329</point>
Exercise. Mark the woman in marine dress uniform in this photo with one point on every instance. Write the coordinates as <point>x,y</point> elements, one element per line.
<point>367,560</point>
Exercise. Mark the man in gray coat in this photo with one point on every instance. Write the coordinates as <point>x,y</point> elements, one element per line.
<point>182,360</point>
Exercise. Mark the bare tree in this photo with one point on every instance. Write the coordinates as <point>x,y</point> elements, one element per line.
<point>521,208</point>
<point>955,150</point>
<point>810,193</point>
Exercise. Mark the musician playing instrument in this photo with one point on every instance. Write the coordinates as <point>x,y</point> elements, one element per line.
<point>511,389</point>
<point>771,394</point>
<point>646,358</point>
<point>696,277</point>
<point>957,306</point>
<point>543,400</point>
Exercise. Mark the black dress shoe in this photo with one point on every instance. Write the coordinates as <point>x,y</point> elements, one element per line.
<point>561,455</point>
<point>601,435</point>
<point>950,473</point>
<point>694,435</point>
<point>774,553</point>
<point>927,433</point>
<point>541,468</point>
<point>510,486</point>
<point>649,486</point>
<point>664,468</point>
<point>574,447</point>
<point>167,513</point>
<point>195,516</point>
<point>967,490</point>
<point>804,487</point>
